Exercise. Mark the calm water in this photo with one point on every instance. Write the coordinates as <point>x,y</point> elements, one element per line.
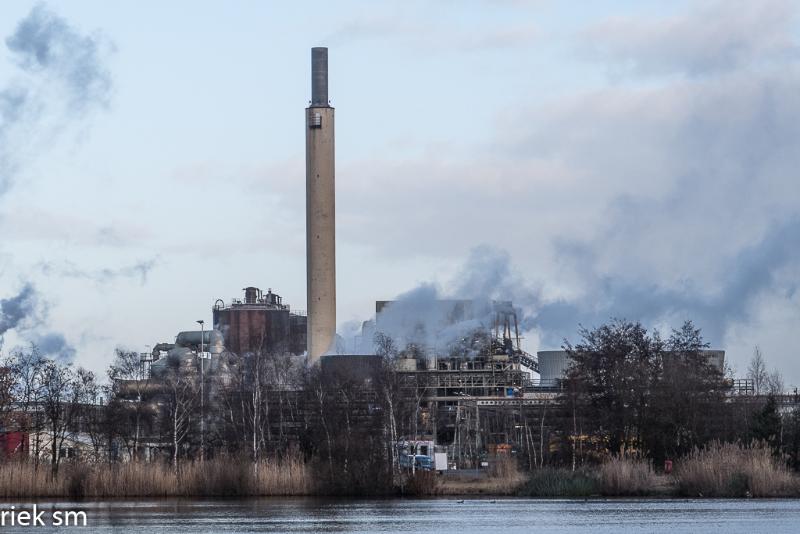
<point>506,516</point>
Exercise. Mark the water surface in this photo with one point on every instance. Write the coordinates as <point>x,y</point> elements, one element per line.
<point>506,516</point>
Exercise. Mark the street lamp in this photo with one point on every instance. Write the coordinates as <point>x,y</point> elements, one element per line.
<point>202,392</point>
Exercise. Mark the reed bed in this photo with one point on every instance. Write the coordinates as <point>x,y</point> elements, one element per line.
<point>735,470</point>
<point>222,477</point>
<point>719,470</point>
<point>21,479</point>
<point>622,476</point>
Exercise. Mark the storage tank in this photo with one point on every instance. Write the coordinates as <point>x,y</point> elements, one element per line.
<point>552,365</point>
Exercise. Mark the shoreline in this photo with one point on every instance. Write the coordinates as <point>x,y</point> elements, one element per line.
<point>379,498</point>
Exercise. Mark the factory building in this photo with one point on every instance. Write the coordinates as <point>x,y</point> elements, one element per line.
<point>260,322</point>
<point>554,363</point>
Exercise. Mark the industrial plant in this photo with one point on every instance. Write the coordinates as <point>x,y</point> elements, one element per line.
<point>441,385</point>
<point>476,393</point>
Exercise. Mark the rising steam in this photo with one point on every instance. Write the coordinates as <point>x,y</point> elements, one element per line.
<point>429,315</point>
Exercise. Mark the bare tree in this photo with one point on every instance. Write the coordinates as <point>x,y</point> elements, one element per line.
<point>8,384</point>
<point>60,397</point>
<point>385,346</point>
<point>130,381</point>
<point>774,383</point>
<point>764,381</point>
<point>27,366</point>
<point>322,402</point>
<point>91,412</point>
<point>757,371</point>
<point>182,392</point>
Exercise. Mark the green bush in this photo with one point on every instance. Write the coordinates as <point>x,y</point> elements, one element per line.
<point>550,482</point>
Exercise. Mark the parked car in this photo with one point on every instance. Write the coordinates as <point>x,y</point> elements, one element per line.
<point>425,463</point>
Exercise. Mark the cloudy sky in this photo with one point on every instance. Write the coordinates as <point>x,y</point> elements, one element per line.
<point>621,158</point>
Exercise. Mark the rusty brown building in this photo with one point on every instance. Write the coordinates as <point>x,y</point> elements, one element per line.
<point>260,321</point>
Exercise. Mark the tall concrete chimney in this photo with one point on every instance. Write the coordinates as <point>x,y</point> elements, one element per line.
<point>320,212</point>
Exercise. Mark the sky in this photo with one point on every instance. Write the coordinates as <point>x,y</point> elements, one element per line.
<point>587,160</point>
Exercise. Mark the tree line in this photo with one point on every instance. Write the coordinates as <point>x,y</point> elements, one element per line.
<point>627,391</point>
<point>265,406</point>
<point>631,391</point>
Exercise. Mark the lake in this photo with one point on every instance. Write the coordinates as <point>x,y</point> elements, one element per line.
<point>444,515</point>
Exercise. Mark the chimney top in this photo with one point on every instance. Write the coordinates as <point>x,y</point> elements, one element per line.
<point>319,77</point>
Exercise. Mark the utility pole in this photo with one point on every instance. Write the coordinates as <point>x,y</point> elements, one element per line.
<point>202,392</point>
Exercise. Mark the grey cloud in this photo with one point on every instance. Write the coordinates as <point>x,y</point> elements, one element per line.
<point>749,274</point>
<point>700,202</point>
<point>12,103</point>
<point>32,223</point>
<point>139,270</point>
<point>53,344</point>
<point>498,39</point>
<point>715,37</point>
<point>429,37</point>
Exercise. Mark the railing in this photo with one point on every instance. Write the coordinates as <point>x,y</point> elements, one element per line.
<point>741,386</point>
<point>259,304</point>
<point>528,362</point>
<point>537,384</point>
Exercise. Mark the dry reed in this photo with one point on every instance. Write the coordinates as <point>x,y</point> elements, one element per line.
<point>222,477</point>
<point>735,470</point>
<point>625,476</point>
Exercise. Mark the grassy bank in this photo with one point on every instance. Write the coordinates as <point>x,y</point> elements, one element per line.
<point>216,478</point>
<point>504,478</point>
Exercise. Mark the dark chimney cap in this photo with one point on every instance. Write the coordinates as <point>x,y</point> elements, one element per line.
<point>319,77</point>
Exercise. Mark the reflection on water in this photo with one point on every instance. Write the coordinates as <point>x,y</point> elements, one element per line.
<point>508,516</point>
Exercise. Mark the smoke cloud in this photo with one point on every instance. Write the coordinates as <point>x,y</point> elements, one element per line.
<point>62,76</point>
<point>45,43</point>
<point>753,271</point>
<point>434,319</point>
<point>26,315</point>
<point>53,344</point>
<point>14,310</point>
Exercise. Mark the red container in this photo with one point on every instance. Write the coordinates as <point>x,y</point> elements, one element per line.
<point>667,467</point>
<point>13,443</point>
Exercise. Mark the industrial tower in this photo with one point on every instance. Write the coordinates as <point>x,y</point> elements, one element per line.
<point>320,212</point>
